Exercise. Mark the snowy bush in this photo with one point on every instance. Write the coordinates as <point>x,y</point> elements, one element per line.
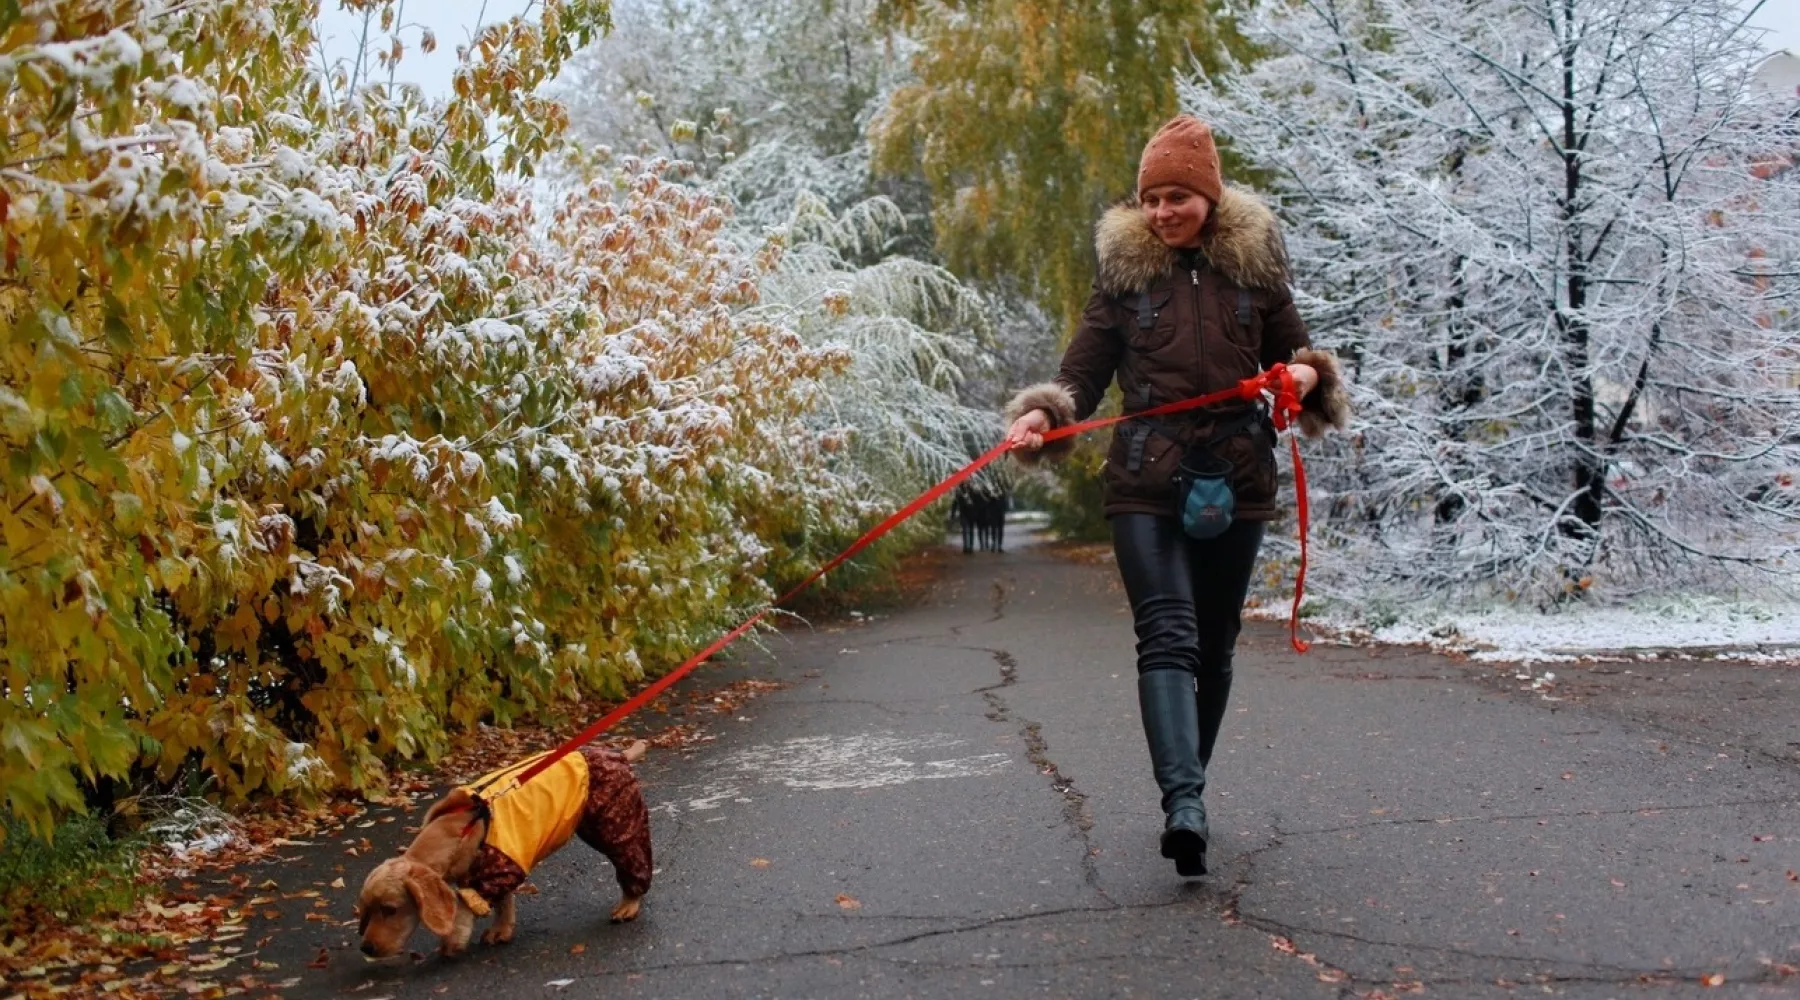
<point>325,437</point>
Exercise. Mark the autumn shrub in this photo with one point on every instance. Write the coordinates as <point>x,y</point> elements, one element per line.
<point>80,871</point>
<point>324,438</point>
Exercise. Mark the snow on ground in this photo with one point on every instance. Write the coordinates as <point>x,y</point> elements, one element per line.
<point>1697,627</point>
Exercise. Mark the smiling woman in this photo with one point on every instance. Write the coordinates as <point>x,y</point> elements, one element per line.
<point>1192,297</point>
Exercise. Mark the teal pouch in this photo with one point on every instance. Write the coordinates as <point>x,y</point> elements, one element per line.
<point>1204,500</point>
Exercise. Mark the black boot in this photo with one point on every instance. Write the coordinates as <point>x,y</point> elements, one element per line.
<point>1172,727</point>
<point>1212,690</point>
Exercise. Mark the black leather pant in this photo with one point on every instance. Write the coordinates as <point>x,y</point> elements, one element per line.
<point>1187,600</point>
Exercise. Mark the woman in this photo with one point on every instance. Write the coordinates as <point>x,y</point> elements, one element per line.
<point>1192,297</point>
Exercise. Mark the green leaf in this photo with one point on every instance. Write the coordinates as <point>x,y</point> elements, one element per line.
<point>128,513</point>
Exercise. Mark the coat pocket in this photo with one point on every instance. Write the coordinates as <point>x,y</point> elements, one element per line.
<point>1140,464</point>
<point>1252,457</point>
<point>1151,322</point>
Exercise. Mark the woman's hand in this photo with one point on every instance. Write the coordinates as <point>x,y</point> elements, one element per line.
<point>1306,379</point>
<point>1027,432</point>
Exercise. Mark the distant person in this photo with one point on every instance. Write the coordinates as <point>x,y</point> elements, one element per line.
<point>963,508</point>
<point>1191,297</point>
<point>995,515</point>
<point>984,519</point>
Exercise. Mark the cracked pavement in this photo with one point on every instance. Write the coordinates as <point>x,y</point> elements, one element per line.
<point>955,800</point>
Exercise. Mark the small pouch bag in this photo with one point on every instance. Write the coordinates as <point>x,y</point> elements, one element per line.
<point>1204,500</point>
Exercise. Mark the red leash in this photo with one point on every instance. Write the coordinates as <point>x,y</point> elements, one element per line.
<point>1276,380</point>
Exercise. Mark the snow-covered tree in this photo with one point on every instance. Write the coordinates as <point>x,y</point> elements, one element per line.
<point>913,334</point>
<point>703,81</point>
<point>1557,241</point>
<point>769,102</point>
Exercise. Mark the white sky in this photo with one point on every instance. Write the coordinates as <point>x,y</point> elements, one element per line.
<point>454,21</point>
<point>1782,18</point>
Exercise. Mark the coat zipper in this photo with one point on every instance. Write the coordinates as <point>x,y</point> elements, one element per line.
<point>1199,329</point>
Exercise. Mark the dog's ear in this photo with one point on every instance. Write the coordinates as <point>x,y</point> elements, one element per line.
<point>459,800</point>
<point>435,899</point>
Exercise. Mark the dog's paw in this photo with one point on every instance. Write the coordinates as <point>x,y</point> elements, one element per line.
<point>497,935</point>
<point>626,910</point>
<point>449,950</point>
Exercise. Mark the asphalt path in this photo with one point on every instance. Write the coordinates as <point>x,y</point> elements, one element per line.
<point>955,801</point>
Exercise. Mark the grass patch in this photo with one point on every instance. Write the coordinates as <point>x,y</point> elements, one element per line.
<point>81,872</point>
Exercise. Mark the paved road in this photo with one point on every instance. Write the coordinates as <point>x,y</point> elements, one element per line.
<point>954,801</point>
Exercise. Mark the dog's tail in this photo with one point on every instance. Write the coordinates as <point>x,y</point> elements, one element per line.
<point>636,751</point>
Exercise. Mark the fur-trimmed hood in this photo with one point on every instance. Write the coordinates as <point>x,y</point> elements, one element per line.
<point>1242,239</point>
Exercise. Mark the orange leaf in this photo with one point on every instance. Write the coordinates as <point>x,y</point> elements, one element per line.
<point>848,902</point>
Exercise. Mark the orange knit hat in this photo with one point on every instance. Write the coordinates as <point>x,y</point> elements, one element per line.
<point>1182,152</point>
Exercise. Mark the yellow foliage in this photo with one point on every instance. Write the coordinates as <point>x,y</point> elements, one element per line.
<point>322,438</point>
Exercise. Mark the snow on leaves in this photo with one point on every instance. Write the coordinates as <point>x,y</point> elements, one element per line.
<point>325,440</point>
<point>1556,248</point>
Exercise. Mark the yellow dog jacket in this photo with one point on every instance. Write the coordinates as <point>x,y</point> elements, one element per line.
<point>529,822</point>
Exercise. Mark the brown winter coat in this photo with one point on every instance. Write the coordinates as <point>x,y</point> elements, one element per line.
<point>1167,324</point>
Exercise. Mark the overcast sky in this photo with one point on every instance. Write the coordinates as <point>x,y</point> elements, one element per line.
<point>453,21</point>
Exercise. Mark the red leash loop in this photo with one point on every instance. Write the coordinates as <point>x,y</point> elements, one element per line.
<point>1285,411</point>
<point>1277,380</point>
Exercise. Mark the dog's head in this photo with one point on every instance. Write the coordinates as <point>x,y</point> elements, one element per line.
<point>398,895</point>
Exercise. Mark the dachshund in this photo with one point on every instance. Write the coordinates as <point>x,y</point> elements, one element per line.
<point>478,844</point>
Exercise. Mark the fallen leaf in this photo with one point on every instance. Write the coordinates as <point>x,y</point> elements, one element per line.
<point>559,983</point>
<point>1283,945</point>
<point>577,948</point>
<point>1332,975</point>
<point>337,883</point>
<point>1713,979</point>
<point>1568,776</point>
<point>848,902</point>
<point>1762,837</point>
<point>759,862</point>
<point>1616,883</point>
<point>317,917</point>
<point>322,959</point>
